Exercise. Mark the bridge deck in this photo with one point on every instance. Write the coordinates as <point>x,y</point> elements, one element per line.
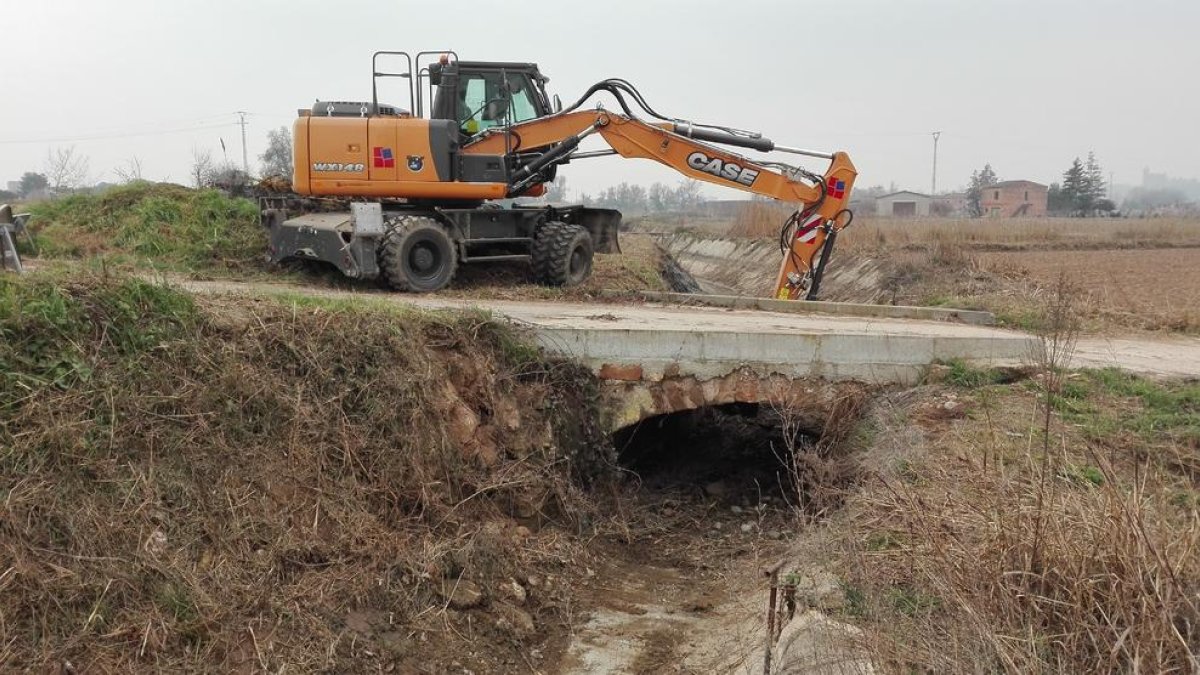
<point>710,342</point>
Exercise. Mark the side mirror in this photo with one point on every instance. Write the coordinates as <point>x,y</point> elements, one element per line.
<point>557,103</point>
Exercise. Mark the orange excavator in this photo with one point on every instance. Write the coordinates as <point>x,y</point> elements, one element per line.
<point>423,186</point>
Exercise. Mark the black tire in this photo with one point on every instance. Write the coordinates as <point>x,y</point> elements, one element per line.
<point>416,254</point>
<point>562,254</point>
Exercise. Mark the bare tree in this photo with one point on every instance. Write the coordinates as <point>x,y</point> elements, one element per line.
<point>131,171</point>
<point>202,166</point>
<point>688,194</point>
<point>66,170</point>
<point>277,159</point>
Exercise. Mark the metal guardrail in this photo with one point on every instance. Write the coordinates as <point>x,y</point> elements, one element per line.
<point>12,225</point>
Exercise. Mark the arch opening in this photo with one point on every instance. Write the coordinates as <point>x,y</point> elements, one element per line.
<point>739,454</point>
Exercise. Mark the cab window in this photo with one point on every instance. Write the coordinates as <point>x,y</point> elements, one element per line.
<point>483,103</point>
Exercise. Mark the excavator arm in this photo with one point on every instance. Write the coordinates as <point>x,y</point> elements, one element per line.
<point>807,236</point>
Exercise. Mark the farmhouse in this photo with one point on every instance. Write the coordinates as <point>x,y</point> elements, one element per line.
<point>903,203</point>
<point>1012,198</point>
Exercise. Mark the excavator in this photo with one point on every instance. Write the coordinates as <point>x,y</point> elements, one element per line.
<point>425,189</point>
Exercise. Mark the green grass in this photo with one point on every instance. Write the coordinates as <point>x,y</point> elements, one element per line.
<point>45,320</point>
<point>969,377</point>
<point>167,224</point>
<point>884,541</point>
<point>1163,410</point>
<point>856,601</point>
<point>1028,319</point>
<point>1084,475</point>
<point>911,602</point>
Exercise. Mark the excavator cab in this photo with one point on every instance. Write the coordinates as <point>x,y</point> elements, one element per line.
<point>480,95</point>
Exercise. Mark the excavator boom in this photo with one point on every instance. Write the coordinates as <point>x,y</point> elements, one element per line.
<point>821,199</point>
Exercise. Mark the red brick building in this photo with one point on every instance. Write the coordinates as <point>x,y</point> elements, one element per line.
<point>1013,198</point>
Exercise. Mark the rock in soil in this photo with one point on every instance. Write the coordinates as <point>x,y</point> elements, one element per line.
<point>464,594</point>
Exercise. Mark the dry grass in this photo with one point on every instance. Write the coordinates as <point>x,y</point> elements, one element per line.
<point>1046,527</point>
<point>987,234</point>
<point>759,220</point>
<point>227,485</point>
<point>1152,289</point>
<point>873,234</point>
<point>1136,274</point>
<point>1033,569</point>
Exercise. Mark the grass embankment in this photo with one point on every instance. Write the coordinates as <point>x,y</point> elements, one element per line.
<point>233,484</point>
<point>189,232</point>
<point>143,224</point>
<point>986,540</point>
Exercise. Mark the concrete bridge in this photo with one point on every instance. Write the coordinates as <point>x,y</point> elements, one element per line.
<point>672,355</point>
<point>657,359</point>
<point>661,358</point>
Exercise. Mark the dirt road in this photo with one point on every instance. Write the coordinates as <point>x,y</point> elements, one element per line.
<point>1154,356</point>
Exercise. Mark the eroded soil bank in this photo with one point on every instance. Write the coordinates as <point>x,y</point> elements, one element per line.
<point>242,484</point>
<point>247,484</point>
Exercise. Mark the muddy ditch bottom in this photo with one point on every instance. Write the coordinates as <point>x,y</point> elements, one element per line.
<point>675,583</point>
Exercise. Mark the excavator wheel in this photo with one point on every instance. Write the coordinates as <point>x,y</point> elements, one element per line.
<point>416,254</point>
<point>562,254</point>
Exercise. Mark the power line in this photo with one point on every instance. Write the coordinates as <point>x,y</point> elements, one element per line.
<point>104,137</point>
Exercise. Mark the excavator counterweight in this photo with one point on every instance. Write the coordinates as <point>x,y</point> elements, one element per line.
<point>424,187</point>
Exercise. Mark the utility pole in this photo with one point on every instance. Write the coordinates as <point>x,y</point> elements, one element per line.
<point>933,187</point>
<point>245,162</point>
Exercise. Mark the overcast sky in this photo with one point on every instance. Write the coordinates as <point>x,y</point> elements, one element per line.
<point>1024,85</point>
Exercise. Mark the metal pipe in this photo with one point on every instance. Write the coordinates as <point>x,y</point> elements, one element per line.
<point>754,143</point>
<point>771,573</point>
<point>802,151</point>
<point>593,153</point>
<point>496,258</point>
<point>497,240</point>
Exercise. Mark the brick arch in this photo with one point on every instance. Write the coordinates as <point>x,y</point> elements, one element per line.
<point>630,401</point>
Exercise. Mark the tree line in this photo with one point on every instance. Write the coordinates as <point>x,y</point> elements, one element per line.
<point>66,170</point>
<point>633,199</point>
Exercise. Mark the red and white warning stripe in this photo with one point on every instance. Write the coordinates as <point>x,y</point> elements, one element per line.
<point>808,232</point>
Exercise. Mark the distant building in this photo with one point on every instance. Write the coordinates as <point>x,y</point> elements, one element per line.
<point>903,204</point>
<point>1013,198</point>
<point>1153,181</point>
<point>14,186</point>
<point>950,204</point>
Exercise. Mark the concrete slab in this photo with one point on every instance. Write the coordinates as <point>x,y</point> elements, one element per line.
<point>708,342</point>
<point>971,316</point>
